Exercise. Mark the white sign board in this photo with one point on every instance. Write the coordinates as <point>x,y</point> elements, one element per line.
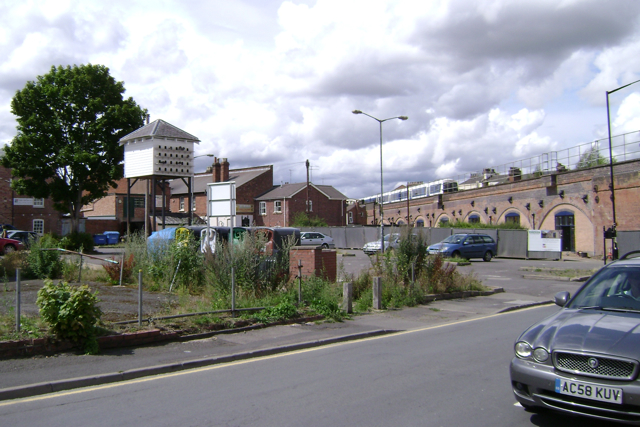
<point>544,241</point>
<point>221,199</point>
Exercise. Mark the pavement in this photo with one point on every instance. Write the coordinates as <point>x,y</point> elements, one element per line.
<point>24,377</point>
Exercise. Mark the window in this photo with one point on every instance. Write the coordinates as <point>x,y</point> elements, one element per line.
<point>474,219</point>
<point>277,206</point>
<point>138,202</point>
<point>310,205</point>
<point>350,218</point>
<point>181,203</point>
<point>38,203</point>
<point>38,226</point>
<point>512,218</point>
<point>420,223</point>
<point>263,208</point>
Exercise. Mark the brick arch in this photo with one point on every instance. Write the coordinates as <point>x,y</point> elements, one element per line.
<point>483,220</point>
<point>525,220</point>
<point>424,220</point>
<point>584,228</point>
<point>439,217</point>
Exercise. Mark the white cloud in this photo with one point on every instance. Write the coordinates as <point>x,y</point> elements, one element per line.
<point>275,81</point>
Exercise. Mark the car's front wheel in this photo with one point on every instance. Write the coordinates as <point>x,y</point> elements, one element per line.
<point>487,256</point>
<point>455,254</point>
<point>8,249</point>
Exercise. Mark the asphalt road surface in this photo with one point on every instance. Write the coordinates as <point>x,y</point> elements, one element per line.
<point>454,374</point>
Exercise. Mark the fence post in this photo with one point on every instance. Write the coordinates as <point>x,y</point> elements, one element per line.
<point>80,270</point>
<point>17,300</point>
<point>347,297</point>
<point>299,282</point>
<point>121,267</point>
<point>377,293</point>
<point>140,297</point>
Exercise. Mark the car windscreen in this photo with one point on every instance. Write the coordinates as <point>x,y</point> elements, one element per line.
<point>455,238</point>
<point>616,288</point>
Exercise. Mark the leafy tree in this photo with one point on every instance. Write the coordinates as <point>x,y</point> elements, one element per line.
<point>69,124</point>
<point>591,159</point>
<point>301,219</point>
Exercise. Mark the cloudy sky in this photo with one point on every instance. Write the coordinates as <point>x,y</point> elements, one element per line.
<point>483,82</point>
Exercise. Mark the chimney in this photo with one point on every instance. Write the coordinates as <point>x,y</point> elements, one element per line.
<point>224,174</point>
<point>216,170</point>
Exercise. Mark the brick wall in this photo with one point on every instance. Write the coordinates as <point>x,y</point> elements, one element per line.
<point>585,193</point>
<point>315,262</point>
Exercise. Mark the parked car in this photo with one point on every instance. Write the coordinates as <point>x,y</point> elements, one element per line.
<point>391,241</point>
<point>316,239</point>
<point>585,358</point>
<point>10,245</point>
<point>26,237</point>
<point>469,245</point>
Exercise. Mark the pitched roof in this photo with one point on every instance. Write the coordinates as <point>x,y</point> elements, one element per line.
<point>287,191</point>
<point>159,128</point>
<point>240,176</point>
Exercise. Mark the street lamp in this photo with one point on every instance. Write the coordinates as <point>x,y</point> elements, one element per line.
<point>193,184</point>
<point>381,180</point>
<point>614,254</point>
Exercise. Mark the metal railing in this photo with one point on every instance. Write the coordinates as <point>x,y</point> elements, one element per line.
<point>624,147</point>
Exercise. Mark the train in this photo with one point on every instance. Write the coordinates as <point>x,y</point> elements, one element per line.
<point>427,189</point>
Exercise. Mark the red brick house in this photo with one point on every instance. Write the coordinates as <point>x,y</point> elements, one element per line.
<point>250,183</point>
<point>27,213</point>
<point>278,207</point>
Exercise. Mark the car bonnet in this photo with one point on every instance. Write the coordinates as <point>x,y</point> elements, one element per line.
<point>588,331</point>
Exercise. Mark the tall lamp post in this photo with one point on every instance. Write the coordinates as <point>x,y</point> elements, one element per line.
<point>193,184</point>
<point>380,121</point>
<point>614,254</point>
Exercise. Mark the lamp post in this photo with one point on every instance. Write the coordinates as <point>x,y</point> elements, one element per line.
<point>193,184</point>
<point>614,254</point>
<point>380,121</point>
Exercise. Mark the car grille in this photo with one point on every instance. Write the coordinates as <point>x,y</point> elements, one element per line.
<point>607,367</point>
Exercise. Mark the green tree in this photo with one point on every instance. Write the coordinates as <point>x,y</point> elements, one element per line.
<point>592,158</point>
<point>66,147</point>
<point>301,219</point>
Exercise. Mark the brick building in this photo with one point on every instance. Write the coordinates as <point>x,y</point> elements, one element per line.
<point>578,202</point>
<point>27,213</point>
<point>250,183</point>
<point>278,207</point>
<point>110,212</point>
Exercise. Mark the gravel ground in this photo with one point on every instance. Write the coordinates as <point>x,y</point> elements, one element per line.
<point>117,303</point>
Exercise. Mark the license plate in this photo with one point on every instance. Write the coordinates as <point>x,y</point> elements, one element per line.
<point>589,391</point>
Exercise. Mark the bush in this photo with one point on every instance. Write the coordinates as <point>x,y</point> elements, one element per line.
<point>11,262</point>
<point>113,270</point>
<point>283,311</point>
<point>301,219</point>
<point>44,263</point>
<point>81,242</point>
<point>461,224</point>
<point>71,312</point>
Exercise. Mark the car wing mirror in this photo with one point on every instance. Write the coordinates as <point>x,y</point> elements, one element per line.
<point>562,298</point>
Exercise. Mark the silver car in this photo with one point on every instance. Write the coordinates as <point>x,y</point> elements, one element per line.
<point>316,239</point>
<point>586,358</point>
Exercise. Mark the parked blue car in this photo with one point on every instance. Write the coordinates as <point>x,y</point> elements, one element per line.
<point>470,245</point>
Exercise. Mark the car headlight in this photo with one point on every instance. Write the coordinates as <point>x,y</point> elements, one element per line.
<point>540,354</point>
<point>523,350</point>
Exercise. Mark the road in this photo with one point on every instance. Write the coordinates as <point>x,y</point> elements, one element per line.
<point>453,374</point>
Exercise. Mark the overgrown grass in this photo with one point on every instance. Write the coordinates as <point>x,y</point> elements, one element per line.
<point>202,282</point>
